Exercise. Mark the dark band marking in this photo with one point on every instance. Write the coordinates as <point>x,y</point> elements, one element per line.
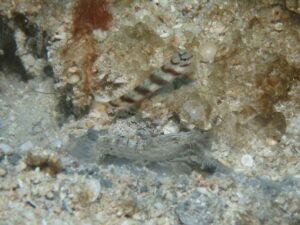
<point>162,76</point>
<point>157,80</point>
<point>185,56</point>
<point>127,99</point>
<point>142,90</point>
<point>171,71</point>
<point>114,104</point>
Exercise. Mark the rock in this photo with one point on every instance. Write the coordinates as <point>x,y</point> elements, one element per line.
<point>73,79</point>
<point>208,52</point>
<point>50,195</point>
<point>26,146</point>
<point>171,127</point>
<point>92,190</point>
<point>7,150</point>
<point>2,172</point>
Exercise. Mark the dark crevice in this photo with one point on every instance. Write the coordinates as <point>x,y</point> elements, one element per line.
<point>8,47</point>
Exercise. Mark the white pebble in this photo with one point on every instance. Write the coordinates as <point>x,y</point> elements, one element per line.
<point>208,52</point>
<point>247,160</point>
<point>170,128</point>
<point>26,146</point>
<point>73,79</point>
<point>6,148</point>
<point>271,141</point>
<point>73,69</point>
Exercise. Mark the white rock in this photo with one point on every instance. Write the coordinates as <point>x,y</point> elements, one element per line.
<point>247,160</point>
<point>73,79</point>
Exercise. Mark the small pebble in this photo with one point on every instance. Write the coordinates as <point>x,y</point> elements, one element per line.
<point>271,141</point>
<point>26,146</point>
<point>21,166</point>
<point>6,149</point>
<point>208,52</point>
<point>120,213</point>
<point>73,69</point>
<point>50,195</point>
<point>170,128</point>
<point>159,205</point>
<point>57,209</point>
<point>247,160</point>
<point>73,79</point>
<point>2,172</point>
<point>92,189</point>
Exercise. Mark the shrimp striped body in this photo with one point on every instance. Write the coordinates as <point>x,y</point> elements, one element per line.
<point>178,66</point>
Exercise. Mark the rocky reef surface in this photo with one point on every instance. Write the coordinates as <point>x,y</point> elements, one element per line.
<point>217,145</point>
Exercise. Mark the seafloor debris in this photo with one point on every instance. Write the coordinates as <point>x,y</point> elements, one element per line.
<point>45,160</point>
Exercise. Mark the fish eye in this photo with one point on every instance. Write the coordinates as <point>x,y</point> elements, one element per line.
<point>185,56</point>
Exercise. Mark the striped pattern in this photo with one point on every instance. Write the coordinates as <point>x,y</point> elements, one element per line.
<point>178,66</point>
